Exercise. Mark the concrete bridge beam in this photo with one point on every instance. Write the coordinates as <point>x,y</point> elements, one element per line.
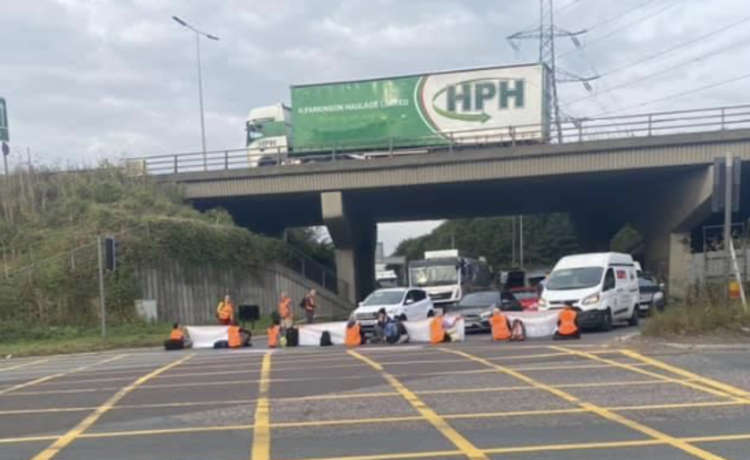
<point>354,235</point>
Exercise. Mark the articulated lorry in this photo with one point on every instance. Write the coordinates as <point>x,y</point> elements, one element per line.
<point>494,105</point>
<point>446,275</point>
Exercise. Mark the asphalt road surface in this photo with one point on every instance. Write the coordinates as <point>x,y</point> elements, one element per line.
<point>588,399</point>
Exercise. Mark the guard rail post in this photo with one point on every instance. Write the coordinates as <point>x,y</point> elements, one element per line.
<point>580,130</point>
<point>723,114</point>
<point>176,169</point>
<point>512,133</point>
<point>450,142</point>
<point>390,146</point>
<point>650,117</point>
<point>226,159</point>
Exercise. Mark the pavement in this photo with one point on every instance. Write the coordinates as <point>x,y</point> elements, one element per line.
<point>600,397</point>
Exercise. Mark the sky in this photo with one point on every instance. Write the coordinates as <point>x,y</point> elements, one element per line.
<point>97,79</point>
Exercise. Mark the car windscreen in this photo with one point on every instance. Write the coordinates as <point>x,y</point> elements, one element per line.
<point>479,299</point>
<point>384,298</point>
<point>435,275</point>
<point>574,278</point>
<point>524,295</point>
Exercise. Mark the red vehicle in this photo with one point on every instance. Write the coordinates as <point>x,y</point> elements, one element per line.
<point>526,296</point>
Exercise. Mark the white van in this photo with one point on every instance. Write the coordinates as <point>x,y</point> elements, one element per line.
<point>602,286</point>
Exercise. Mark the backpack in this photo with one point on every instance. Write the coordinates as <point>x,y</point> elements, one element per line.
<point>517,331</point>
<point>391,332</point>
<point>325,339</point>
<point>292,337</point>
<point>221,344</point>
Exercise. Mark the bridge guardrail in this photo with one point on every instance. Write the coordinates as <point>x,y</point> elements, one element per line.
<point>570,131</point>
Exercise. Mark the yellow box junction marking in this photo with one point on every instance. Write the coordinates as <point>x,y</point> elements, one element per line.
<point>84,424</point>
<point>602,412</point>
<point>59,374</point>
<point>19,366</point>
<point>732,390</point>
<point>463,444</point>
<point>690,383</point>
<point>261,449</point>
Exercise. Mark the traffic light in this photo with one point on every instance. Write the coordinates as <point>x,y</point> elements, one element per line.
<point>110,253</point>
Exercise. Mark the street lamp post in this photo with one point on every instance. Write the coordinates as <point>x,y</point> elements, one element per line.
<point>198,35</point>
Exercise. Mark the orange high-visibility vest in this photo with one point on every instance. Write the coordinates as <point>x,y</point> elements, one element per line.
<point>285,307</point>
<point>567,322</point>
<point>437,331</point>
<point>273,336</point>
<point>234,337</point>
<point>225,311</point>
<point>353,336</point>
<point>499,325</point>
<point>176,334</point>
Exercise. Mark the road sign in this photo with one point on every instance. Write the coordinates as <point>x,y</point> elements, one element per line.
<point>718,197</point>
<point>4,133</point>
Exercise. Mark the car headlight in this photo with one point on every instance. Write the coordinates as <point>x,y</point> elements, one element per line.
<point>541,303</point>
<point>485,314</point>
<point>592,299</point>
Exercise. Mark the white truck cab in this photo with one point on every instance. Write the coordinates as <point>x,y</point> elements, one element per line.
<point>603,287</point>
<point>268,134</point>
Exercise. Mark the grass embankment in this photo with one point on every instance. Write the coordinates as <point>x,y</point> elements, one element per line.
<point>717,318</point>
<point>49,222</point>
<point>54,340</point>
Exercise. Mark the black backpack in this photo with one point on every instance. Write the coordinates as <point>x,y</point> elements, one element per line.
<point>325,339</point>
<point>221,344</point>
<point>292,337</point>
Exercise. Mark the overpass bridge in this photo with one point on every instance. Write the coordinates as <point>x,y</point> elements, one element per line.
<point>654,171</point>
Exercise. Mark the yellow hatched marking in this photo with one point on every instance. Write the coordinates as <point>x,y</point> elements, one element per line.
<point>463,444</point>
<point>64,440</point>
<point>601,411</point>
<point>261,449</point>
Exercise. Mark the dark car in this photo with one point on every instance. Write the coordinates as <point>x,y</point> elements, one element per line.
<point>472,306</point>
<point>651,294</point>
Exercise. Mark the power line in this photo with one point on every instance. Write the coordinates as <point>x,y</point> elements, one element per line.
<point>676,47</point>
<point>680,94</point>
<point>625,26</point>
<point>620,15</point>
<point>710,54</point>
<point>558,10</point>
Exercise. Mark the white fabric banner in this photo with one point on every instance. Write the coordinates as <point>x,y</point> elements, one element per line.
<point>205,336</point>
<point>419,331</point>
<point>537,323</point>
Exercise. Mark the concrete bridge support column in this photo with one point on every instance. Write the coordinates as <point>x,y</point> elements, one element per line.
<point>669,211</point>
<point>354,234</point>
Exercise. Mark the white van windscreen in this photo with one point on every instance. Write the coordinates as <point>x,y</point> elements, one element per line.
<point>574,278</point>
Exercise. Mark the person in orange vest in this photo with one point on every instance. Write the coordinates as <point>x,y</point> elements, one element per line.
<point>274,332</point>
<point>285,311</point>
<point>225,311</point>
<point>353,334</point>
<point>499,325</point>
<point>176,339</point>
<point>438,332</point>
<point>237,337</point>
<point>567,323</point>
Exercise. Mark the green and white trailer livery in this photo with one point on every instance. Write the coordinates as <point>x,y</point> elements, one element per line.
<point>461,108</point>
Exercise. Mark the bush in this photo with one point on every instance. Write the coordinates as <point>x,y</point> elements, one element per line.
<point>706,312</point>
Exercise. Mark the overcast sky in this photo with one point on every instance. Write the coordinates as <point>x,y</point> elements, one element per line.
<point>87,80</point>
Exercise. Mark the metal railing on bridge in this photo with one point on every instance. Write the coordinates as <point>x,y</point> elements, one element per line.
<point>570,131</point>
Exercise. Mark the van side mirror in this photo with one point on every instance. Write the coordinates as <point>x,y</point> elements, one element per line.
<point>662,286</point>
<point>409,301</point>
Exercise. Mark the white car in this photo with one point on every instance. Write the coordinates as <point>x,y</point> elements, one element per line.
<point>403,303</point>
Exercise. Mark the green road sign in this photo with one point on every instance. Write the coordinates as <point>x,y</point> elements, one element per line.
<point>4,134</point>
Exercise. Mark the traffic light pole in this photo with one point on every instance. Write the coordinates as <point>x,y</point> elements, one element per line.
<point>102,307</point>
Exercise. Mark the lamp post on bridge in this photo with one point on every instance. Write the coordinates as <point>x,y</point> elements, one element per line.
<point>198,35</point>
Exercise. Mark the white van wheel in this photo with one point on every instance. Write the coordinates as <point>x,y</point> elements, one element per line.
<point>431,313</point>
<point>633,321</point>
<point>607,321</point>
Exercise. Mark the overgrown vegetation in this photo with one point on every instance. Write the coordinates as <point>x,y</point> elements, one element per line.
<point>49,222</point>
<point>705,311</point>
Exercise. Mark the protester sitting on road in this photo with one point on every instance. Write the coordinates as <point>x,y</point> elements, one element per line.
<point>382,321</point>
<point>225,311</point>
<point>237,336</point>
<point>309,305</point>
<point>499,325</point>
<point>285,311</point>
<point>353,334</point>
<point>403,334</point>
<point>176,339</point>
<point>441,328</point>
<point>567,323</point>
<point>274,332</point>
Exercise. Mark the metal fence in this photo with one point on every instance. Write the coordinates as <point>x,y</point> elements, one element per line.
<point>570,131</point>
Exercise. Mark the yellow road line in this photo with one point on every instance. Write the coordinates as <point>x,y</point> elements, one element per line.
<point>27,439</point>
<point>84,424</point>
<point>602,412</point>
<point>633,368</point>
<point>158,431</point>
<point>463,444</point>
<point>261,449</point>
<point>59,374</point>
<point>19,366</point>
<point>732,390</point>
